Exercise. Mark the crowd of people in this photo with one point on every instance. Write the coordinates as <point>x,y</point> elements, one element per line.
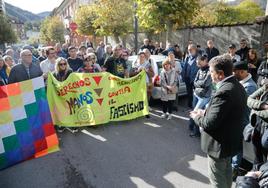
<point>227,93</point>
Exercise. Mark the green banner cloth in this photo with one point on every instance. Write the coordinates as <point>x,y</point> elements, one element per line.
<point>86,99</point>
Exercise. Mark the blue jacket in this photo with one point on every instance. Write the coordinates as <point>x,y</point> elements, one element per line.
<point>189,70</point>
<point>250,87</point>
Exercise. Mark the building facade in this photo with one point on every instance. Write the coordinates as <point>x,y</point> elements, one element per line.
<point>66,12</point>
<point>2,7</point>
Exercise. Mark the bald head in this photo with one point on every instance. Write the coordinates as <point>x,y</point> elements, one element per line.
<point>26,57</point>
<point>210,44</point>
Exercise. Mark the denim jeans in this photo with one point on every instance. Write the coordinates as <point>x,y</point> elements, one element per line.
<point>264,140</point>
<point>236,160</point>
<point>198,103</point>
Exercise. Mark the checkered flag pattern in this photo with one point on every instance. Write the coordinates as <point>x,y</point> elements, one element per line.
<point>26,128</point>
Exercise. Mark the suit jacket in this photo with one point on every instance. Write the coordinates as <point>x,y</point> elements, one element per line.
<point>18,73</point>
<point>223,120</point>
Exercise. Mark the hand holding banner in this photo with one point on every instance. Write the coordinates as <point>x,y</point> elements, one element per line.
<point>95,98</point>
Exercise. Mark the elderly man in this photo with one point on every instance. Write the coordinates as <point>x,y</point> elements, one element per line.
<point>25,70</point>
<point>211,51</point>
<point>222,122</point>
<point>147,45</point>
<point>189,72</point>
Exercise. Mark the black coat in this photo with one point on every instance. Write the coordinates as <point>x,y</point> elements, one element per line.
<point>61,77</point>
<point>18,73</point>
<point>223,120</point>
<point>251,182</point>
<point>213,52</point>
<point>243,53</point>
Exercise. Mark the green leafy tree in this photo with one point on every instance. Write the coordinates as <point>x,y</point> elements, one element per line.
<point>114,17</point>
<point>84,18</point>
<point>52,30</point>
<point>205,17</point>
<point>34,41</point>
<point>28,26</point>
<point>221,13</point>
<point>44,31</point>
<point>162,15</point>
<point>225,14</point>
<point>7,35</point>
<point>248,11</point>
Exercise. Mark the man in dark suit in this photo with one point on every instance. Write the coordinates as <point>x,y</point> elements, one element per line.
<point>222,122</point>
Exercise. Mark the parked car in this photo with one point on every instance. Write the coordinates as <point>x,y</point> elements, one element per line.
<point>156,93</point>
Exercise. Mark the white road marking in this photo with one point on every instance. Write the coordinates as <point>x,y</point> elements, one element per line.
<point>154,115</point>
<point>140,183</point>
<point>176,116</point>
<point>98,137</point>
<point>152,124</point>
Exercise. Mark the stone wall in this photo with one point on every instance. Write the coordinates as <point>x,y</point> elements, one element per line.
<point>222,36</point>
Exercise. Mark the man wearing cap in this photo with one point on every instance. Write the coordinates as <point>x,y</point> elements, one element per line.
<point>231,52</point>
<point>245,78</point>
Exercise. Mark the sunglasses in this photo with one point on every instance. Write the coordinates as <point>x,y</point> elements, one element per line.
<point>62,64</point>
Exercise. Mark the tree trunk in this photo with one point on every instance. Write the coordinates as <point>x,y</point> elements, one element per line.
<point>168,33</point>
<point>94,40</point>
<point>124,40</point>
<point>266,12</point>
<point>116,38</point>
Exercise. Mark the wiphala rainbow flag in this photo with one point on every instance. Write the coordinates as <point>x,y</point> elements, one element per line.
<point>26,129</point>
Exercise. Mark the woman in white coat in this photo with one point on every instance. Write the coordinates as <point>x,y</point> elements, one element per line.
<point>168,82</point>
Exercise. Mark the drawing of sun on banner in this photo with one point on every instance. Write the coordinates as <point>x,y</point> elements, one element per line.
<point>26,129</point>
<point>95,98</point>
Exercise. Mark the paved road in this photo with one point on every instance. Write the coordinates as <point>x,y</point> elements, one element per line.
<point>143,153</point>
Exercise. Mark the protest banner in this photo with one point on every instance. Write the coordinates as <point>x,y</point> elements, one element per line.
<point>26,128</point>
<point>86,99</point>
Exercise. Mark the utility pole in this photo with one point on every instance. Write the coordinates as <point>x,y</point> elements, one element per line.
<point>135,28</point>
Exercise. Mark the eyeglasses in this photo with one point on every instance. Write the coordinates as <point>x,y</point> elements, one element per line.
<point>89,59</point>
<point>27,55</point>
<point>61,64</point>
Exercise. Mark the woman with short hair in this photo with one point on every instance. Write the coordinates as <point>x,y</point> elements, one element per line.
<point>89,66</point>
<point>168,82</point>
